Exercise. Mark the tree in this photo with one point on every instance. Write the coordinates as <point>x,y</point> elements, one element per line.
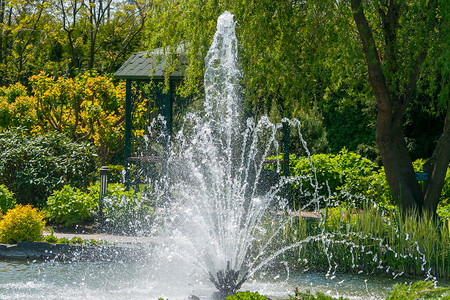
<point>395,61</point>
<point>98,34</point>
<point>24,28</point>
<point>281,54</point>
<point>121,34</point>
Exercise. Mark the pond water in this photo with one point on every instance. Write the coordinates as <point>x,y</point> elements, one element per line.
<point>50,280</point>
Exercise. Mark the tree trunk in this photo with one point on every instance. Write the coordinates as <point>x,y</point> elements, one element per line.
<point>91,34</point>
<point>391,108</point>
<point>2,18</point>
<point>437,167</point>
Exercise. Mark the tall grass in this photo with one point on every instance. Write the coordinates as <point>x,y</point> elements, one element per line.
<point>354,240</point>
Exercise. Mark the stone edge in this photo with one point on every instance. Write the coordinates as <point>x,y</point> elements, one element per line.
<point>43,251</point>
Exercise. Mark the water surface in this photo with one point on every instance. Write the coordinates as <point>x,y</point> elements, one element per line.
<point>37,280</point>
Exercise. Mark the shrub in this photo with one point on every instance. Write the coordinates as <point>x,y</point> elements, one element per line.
<point>443,209</point>
<point>16,107</point>
<point>246,296</point>
<point>418,290</point>
<point>115,173</point>
<point>70,206</point>
<point>349,178</point>
<point>126,211</point>
<point>7,200</point>
<point>338,177</point>
<point>51,238</point>
<point>22,223</point>
<point>309,296</point>
<point>123,211</point>
<point>32,167</point>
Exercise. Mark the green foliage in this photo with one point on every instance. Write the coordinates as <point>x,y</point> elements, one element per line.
<point>7,200</point>
<point>16,107</point>
<point>51,238</point>
<point>418,290</point>
<point>123,211</point>
<point>308,296</point>
<point>126,211</point>
<point>22,223</point>
<point>443,209</point>
<point>63,240</point>
<point>349,122</point>
<point>115,173</point>
<point>71,206</point>
<point>351,179</point>
<point>312,131</point>
<point>338,177</point>
<point>32,167</point>
<point>247,296</point>
<point>54,36</point>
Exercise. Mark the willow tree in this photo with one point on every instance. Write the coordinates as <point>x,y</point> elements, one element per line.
<point>294,52</point>
<point>396,53</point>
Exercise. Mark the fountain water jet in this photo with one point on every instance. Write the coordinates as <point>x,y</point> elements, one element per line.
<point>216,165</point>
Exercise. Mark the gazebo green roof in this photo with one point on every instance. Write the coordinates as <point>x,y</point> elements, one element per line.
<point>148,65</point>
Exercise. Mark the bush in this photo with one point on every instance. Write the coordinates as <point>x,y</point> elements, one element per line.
<point>338,176</point>
<point>70,206</point>
<point>7,200</point>
<point>33,166</point>
<point>418,290</point>
<point>123,211</point>
<point>349,178</point>
<point>246,296</point>
<point>16,107</point>
<point>126,211</point>
<point>309,296</point>
<point>22,223</point>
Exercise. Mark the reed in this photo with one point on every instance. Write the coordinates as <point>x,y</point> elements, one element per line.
<point>368,240</point>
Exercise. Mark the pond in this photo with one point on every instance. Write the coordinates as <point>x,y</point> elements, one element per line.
<point>82,280</point>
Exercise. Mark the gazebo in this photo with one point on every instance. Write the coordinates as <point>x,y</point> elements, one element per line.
<point>140,69</point>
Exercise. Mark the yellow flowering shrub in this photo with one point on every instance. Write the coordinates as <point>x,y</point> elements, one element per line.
<point>22,223</point>
<point>17,109</point>
<point>89,107</point>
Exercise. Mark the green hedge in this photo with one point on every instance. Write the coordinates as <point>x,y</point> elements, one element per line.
<point>32,167</point>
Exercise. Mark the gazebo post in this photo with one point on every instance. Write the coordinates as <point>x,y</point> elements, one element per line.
<point>286,148</point>
<point>167,110</point>
<point>286,153</point>
<point>127,138</point>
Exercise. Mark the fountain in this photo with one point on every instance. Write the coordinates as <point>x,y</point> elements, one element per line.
<point>216,200</point>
